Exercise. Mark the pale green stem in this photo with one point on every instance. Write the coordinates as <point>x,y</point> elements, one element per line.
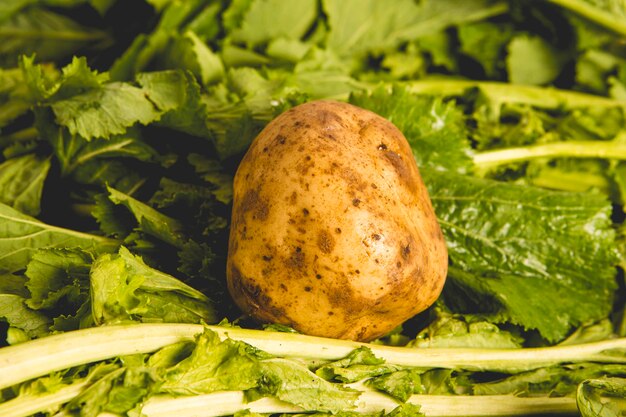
<point>40,357</point>
<point>227,403</point>
<point>28,405</point>
<point>500,92</point>
<point>611,21</point>
<point>62,35</point>
<point>572,149</point>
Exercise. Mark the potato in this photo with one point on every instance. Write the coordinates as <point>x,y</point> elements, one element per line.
<point>333,232</point>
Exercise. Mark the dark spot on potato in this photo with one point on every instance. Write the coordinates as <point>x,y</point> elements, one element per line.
<point>280,139</point>
<point>382,147</point>
<point>402,169</point>
<point>267,258</point>
<point>283,287</point>
<point>308,157</point>
<point>301,230</point>
<point>398,264</point>
<point>357,272</point>
<point>331,313</point>
<point>293,198</point>
<point>406,251</point>
<point>356,202</point>
<point>297,123</point>
<point>265,149</point>
<point>291,221</point>
<point>296,259</point>
<point>376,236</point>
<point>338,230</point>
<point>374,186</point>
<point>325,241</point>
<point>318,276</point>
<point>251,202</point>
<point>308,289</point>
<point>305,212</point>
<point>361,333</point>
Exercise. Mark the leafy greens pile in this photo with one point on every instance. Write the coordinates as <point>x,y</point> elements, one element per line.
<point>121,127</point>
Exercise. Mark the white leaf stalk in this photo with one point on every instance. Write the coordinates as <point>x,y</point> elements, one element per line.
<point>227,403</point>
<point>40,357</point>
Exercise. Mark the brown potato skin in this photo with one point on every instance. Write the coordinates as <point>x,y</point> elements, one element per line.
<point>333,232</point>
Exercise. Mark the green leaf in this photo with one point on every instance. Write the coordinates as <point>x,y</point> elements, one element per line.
<point>601,397</point>
<point>124,288</point>
<point>294,383</point>
<point>454,331</point>
<point>177,96</point>
<point>51,36</point>
<point>532,60</point>
<point>486,43</point>
<point>14,101</point>
<point>263,21</point>
<point>189,52</point>
<point>215,365</point>
<point>21,182</point>
<point>556,381</point>
<point>511,247</point>
<point>401,384</point>
<point>359,364</point>
<point>357,26</point>
<point>109,110</point>
<point>23,235</point>
<point>58,274</point>
<point>151,221</point>
<point>15,312</point>
<point>212,172</point>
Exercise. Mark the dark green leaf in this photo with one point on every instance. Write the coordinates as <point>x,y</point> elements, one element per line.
<point>21,182</point>
<point>52,36</point>
<point>23,235</point>
<point>14,311</point>
<point>515,244</point>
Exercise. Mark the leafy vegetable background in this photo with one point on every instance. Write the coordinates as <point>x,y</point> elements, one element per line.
<point>122,124</point>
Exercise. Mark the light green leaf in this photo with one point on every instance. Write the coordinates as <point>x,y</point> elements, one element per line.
<point>359,364</point>
<point>452,331</point>
<point>358,26</point>
<point>124,288</point>
<point>215,365</point>
<point>292,382</point>
<point>263,21</point>
<point>532,60</point>
<point>107,111</point>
